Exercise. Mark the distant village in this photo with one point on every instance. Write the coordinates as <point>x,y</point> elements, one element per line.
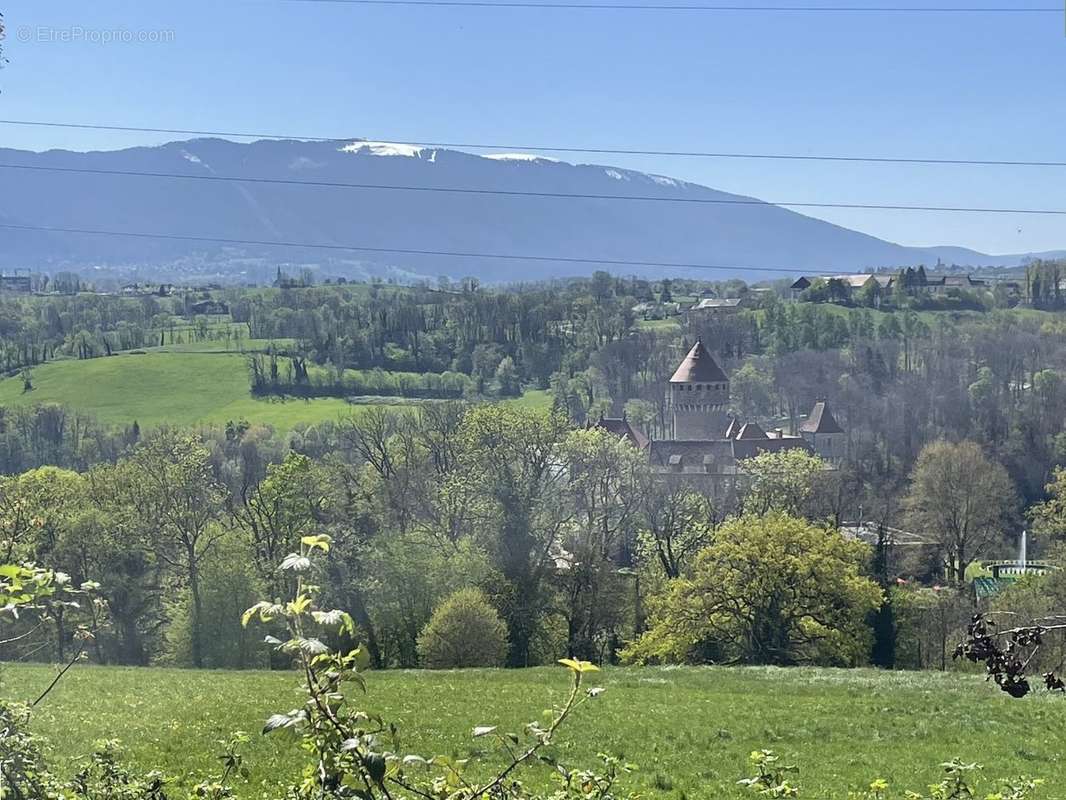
<point>948,290</point>
<point>910,281</point>
<point>861,289</point>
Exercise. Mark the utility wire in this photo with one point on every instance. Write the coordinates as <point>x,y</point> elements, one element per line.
<point>518,193</point>
<point>398,250</point>
<point>696,7</point>
<point>547,149</point>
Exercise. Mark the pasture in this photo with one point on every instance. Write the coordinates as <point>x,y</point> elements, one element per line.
<point>689,730</point>
<point>180,385</point>
<point>153,388</point>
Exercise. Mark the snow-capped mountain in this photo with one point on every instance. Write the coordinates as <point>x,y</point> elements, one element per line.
<point>387,221</point>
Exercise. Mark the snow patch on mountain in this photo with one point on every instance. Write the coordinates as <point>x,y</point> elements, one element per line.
<point>384,149</point>
<point>662,180</point>
<point>529,157</point>
<point>303,162</point>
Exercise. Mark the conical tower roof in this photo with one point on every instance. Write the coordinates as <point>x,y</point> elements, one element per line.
<point>699,366</point>
<point>821,420</point>
<point>752,430</point>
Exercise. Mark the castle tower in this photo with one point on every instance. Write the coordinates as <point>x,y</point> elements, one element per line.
<point>823,433</point>
<point>699,397</point>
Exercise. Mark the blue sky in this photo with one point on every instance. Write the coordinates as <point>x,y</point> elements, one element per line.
<point>982,86</point>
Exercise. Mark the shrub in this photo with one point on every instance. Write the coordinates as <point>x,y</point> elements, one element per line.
<point>465,631</point>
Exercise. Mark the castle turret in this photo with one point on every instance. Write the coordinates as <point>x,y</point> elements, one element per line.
<point>699,396</point>
<point>824,433</point>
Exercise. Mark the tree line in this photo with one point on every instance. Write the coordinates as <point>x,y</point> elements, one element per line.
<point>568,541</point>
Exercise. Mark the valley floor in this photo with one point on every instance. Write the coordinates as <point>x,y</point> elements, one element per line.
<point>689,730</point>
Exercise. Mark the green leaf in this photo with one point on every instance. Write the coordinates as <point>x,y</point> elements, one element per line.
<point>334,617</point>
<point>312,647</point>
<point>579,666</point>
<point>321,541</point>
<point>278,721</point>
<point>362,658</point>
<point>484,730</point>
<point>375,767</point>
<point>296,563</point>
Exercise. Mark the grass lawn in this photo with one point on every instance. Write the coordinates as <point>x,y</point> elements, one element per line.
<point>222,346</point>
<point>533,399</point>
<point>172,385</point>
<point>164,387</point>
<point>688,729</point>
<point>668,325</point>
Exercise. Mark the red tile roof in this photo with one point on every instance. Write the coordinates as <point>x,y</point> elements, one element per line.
<point>699,366</point>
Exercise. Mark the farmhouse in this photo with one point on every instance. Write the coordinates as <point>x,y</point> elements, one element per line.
<point>718,306</point>
<point>842,288</point>
<point>707,442</point>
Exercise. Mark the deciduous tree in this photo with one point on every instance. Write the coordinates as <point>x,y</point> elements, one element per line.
<point>770,590</point>
<point>961,499</point>
<point>166,491</point>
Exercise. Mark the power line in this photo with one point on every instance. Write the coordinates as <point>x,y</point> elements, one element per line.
<point>548,149</point>
<point>400,251</point>
<point>695,7</point>
<point>533,194</point>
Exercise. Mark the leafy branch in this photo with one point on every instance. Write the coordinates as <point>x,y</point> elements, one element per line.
<point>1007,653</point>
<point>353,752</point>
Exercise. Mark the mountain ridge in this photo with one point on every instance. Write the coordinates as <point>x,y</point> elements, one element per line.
<point>748,238</point>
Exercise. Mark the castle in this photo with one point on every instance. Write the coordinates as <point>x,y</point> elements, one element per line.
<point>707,443</point>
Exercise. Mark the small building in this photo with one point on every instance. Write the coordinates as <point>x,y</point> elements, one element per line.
<point>717,307</point>
<point>942,284</point>
<point>722,304</point>
<point>823,433</point>
<point>622,428</point>
<point>841,288</point>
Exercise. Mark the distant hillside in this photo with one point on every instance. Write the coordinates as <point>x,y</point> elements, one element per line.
<point>759,235</point>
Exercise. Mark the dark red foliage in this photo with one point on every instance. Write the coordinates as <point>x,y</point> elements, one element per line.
<point>1005,654</point>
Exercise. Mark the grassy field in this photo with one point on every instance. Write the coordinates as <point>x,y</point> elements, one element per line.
<point>153,388</point>
<point>688,729</point>
<point>668,325</point>
<point>178,386</point>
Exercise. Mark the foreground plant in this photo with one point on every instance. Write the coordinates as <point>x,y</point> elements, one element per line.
<point>354,754</point>
<point>1007,653</point>
<point>960,782</point>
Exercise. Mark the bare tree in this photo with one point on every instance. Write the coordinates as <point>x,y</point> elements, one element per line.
<point>961,499</point>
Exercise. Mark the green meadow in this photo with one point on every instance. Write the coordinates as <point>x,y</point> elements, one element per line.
<point>155,388</point>
<point>181,385</point>
<point>689,730</point>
